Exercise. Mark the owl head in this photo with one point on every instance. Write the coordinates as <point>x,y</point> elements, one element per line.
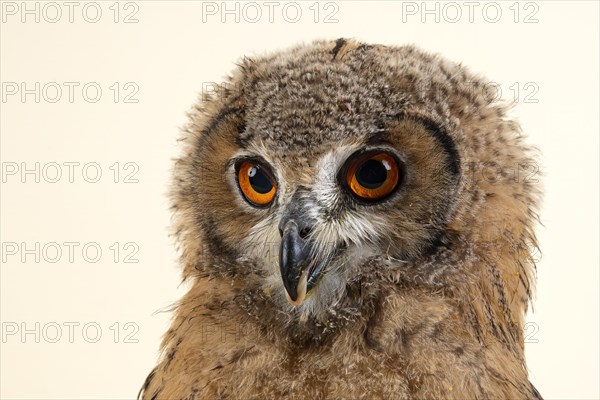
<point>336,164</point>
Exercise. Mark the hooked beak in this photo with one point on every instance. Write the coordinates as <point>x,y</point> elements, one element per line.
<point>300,268</point>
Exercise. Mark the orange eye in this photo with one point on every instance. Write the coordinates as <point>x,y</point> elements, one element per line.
<point>256,183</point>
<point>372,176</point>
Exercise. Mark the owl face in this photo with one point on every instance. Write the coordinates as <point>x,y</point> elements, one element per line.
<point>302,174</point>
<point>325,212</point>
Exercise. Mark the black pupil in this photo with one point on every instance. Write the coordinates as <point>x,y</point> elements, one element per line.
<point>372,174</point>
<point>259,181</point>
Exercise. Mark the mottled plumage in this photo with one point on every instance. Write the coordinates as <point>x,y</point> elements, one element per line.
<point>421,295</point>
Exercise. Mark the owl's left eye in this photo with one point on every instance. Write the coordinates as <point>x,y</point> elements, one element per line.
<point>372,176</point>
<point>256,183</point>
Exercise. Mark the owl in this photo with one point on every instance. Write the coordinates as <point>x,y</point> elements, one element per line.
<point>355,221</point>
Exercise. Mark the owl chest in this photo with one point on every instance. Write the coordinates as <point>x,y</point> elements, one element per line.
<point>365,362</point>
<point>332,373</point>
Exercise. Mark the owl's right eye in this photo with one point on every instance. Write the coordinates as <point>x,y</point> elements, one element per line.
<point>256,183</point>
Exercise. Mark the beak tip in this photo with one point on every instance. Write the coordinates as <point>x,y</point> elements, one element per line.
<point>294,303</point>
<point>290,294</point>
<point>299,292</point>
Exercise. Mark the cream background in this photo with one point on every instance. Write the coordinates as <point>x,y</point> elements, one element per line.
<point>169,53</point>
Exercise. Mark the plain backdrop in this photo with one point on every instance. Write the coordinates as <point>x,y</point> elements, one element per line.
<point>93,95</point>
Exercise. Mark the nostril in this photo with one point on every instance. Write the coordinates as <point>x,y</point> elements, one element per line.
<point>305,231</point>
<point>280,232</point>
